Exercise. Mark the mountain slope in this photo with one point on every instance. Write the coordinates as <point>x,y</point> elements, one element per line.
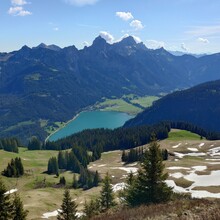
<point>47,83</point>
<point>199,105</point>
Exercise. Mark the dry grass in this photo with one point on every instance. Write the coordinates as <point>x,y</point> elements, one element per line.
<point>183,209</point>
<point>183,182</point>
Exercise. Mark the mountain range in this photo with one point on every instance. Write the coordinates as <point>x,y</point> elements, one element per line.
<point>45,84</point>
<point>198,105</point>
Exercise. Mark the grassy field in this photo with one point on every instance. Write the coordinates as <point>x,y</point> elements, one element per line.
<point>178,135</point>
<point>39,191</point>
<point>127,103</point>
<point>145,101</point>
<point>117,105</point>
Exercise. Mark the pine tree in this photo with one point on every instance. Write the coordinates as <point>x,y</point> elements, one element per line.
<point>96,179</point>
<point>75,182</point>
<point>92,208</point>
<point>34,144</point>
<point>68,208</point>
<point>149,186</point>
<point>52,167</point>
<point>107,196</point>
<point>62,180</point>
<point>5,205</point>
<point>18,211</point>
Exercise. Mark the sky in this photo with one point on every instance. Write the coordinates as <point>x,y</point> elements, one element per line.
<point>191,26</point>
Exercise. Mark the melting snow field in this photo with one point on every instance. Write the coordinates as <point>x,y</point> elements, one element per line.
<point>212,179</point>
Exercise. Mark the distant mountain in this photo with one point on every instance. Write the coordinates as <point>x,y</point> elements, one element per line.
<point>181,53</point>
<point>50,47</point>
<point>45,84</point>
<point>198,105</point>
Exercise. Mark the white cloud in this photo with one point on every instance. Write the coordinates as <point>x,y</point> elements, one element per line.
<point>154,44</point>
<point>18,2</point>
<point>136,24</point>
<point>18,11</point>
<point>56,29</point>
<point>14,10</point>
<point>203,40</point>
<point>107,36</point>
<point>85,44</point>
<point>183,46</point>
<point>136,38</point>
<point>81,2</point>
<point>124,15</point>
<point>204,30</point>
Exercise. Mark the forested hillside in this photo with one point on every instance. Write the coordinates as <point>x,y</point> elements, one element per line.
<point>44,84</point>
<point>199,105</point>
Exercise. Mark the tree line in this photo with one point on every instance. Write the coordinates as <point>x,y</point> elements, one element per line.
<point>76,161</point>
<point>136,154</point>
<point>9,144</point>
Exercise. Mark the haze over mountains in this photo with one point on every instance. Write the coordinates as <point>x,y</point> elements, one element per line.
<point>53,84</point>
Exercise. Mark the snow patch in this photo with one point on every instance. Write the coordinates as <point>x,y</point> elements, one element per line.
<point>119,186</point>
<point>194,193</point>
<point>102,165</point>
<point>192,149</point>
<point>132,164</point>
<point>199,168</point>
<point>202,144</point>
<point>178,168</point>
<point>176,146</point>
<point>10,191</point>
<point>179,155</point>
<point>214,151</point>
<point>177,175</point>
<point>127,169</point>
<point>51,214</point>
<point>204,180</point>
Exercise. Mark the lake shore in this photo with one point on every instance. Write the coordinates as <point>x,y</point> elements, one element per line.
<point>66,123</point>
<point>90,120</point>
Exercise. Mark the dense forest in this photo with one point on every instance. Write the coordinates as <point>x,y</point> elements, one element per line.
<point>100,140</point>
<point>198,105</point>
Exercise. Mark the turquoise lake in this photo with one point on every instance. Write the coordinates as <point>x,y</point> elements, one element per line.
<point>92,119</point>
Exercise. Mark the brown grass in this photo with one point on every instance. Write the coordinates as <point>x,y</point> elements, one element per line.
<point>183,209</point>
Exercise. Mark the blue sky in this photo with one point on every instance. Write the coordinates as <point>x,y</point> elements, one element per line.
<point>183,25</point>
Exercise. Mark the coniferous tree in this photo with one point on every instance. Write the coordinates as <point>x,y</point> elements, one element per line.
<point>14,169</point>
<point>62,162</point>
<point>62,180</point>
<point>68,208</point>
<point>96,179</point>
<point>92,208</point>
<point>52,167</point>
<point>107,196</point>
<point>149,186</point>
<point>34,144</point>
<point>75,182</point>
<point>5,205</point>
<point>18,211</point>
